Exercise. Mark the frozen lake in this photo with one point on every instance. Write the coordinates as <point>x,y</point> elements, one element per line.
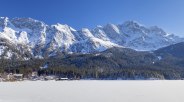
<point>92,91</point>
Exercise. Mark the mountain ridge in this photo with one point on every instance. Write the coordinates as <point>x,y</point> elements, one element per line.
<point>34,38</point>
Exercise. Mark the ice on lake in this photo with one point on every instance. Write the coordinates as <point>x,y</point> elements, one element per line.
<point>92,91</point>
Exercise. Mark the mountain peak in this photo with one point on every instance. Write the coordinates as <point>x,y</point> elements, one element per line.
<point>60,26</point>
<point>4,21</point>
<point>132,23</point>
<point>26,19</point>
<point>112,28</point>
<point>4,18</point>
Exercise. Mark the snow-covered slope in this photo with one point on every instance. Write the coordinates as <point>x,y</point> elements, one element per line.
<point>26,38</point>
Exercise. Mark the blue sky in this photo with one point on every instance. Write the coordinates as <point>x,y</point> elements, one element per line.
<point>167,14</point>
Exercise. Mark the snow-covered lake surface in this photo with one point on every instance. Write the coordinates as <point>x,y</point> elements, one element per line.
<point>92,91</point>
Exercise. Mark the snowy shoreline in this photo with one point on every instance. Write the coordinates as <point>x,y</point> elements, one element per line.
<point>85,80</point>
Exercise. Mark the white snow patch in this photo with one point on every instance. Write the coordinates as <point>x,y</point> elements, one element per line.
<point>44,67</point>
<point>52,54</point>
<point>98,54</point>
<point>23,38</point>
<point>39,57</point>
<point>25,58</point>
<point>159,58</point>
<point>8,55</point>
<point>2,48</point>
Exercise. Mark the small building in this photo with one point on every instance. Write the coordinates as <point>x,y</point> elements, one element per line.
<point>7,77</point>
<point>3,76</point>
<point>63,78</point>
<point>10,77</point>
<point>60,79</point>
<point>18,77</point>
<point>50,77</point>
<point>34,74</point>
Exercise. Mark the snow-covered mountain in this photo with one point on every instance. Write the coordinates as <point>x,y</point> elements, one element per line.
<point>25,38</point>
